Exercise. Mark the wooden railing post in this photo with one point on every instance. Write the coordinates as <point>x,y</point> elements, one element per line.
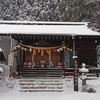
<point>20,63</point>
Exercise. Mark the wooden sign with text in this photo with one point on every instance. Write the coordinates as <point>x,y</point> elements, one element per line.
<point>75,65</point>
<point>11,59</point>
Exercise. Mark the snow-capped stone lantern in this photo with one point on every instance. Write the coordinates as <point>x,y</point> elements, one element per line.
<point>83,72</point>
<point>1,71</point>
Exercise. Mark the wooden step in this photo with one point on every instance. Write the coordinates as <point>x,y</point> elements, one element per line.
<point>91,75</point>
<point>40,90</point>
<point>41,72</point>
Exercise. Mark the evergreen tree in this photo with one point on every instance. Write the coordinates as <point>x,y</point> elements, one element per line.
<point>39,10</point>
<point>72,10</point>
<point>52,10</point>
<point>93,11</point>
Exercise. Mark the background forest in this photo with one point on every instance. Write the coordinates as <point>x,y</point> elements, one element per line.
<point>52,10</point>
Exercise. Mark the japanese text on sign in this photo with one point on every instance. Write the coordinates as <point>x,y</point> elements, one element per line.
<point>10,59</point>
<point>75,75</point>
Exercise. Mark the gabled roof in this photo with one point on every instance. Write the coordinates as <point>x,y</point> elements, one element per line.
<point>48,28</point>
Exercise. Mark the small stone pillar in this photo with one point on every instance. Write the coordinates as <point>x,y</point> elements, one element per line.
<point>83,72</point>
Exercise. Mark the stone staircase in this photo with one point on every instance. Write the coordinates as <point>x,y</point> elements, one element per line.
<point>41,85</point>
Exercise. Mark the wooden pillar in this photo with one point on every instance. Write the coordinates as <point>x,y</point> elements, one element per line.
<point>49,61</point>
<point>75,66</point>
<point>20,63</point>
<point>11,43</point>
<point>33,60</point>
<point>73,37</point>
<point>64,62</point>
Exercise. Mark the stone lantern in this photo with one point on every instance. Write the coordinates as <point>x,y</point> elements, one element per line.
<point>83,72</point>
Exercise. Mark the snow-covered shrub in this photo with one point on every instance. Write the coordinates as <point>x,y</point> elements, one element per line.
<point>5,82</point>
<point>1,71</point>
<point>88,88</point>
<point>6,71</point>
<point>10,83</point>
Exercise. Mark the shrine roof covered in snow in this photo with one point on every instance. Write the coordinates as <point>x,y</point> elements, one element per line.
<point>46,28</point>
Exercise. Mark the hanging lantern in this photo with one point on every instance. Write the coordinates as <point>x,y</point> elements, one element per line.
<point>22,48</point>
<point>49,53</point>
<point>25,49</point>
<point>64,47</point>
<point>61,49</point>
<point>18,46</point>
<point>15,48</point>
<point>38,50</point>
<point>30,49</point>
<point>42,65</point>
<point>34,52</point>
<point>42,53</point>
<point>70,49</point>
<point>58,50</point>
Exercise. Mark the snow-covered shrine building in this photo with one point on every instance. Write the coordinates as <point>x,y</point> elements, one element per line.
<point>47,48</point>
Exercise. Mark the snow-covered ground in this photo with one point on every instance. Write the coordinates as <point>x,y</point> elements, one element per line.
<point>68,94</point>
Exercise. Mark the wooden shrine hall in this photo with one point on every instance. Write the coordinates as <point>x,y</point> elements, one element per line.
<point>47,48</point>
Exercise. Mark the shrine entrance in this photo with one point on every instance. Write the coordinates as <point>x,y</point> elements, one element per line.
<point>41,57</point>
<point>45,55</point>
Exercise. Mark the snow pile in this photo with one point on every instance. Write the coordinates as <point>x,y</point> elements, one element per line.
<point>83,70</point>
<point>6,71</point>
<point>4,82</point>
<point>88,88</point>
<point>75,57</point>
<point>1,69</point>
<point>10,83</point>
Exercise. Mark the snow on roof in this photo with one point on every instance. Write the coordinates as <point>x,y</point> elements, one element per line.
<point>0,50</point>
<point>27,27</point>
<point>42,22</point>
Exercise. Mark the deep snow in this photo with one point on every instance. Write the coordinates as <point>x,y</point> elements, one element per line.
<point>13,94</point>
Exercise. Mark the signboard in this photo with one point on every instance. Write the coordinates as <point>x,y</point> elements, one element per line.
<point>75,65</point>
<point>11,59</point>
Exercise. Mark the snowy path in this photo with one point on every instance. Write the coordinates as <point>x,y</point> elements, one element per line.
<point>68,94</point>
